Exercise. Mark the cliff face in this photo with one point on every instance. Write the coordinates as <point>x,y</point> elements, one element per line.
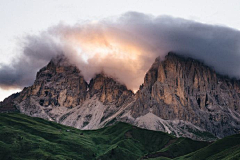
<point>109,91</point>
<point>185,89</point>
<point>58,84</point>
<point>61,94</point>
<point>179,95</point>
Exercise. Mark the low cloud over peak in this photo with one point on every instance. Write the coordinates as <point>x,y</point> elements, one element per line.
<point>125,48</point>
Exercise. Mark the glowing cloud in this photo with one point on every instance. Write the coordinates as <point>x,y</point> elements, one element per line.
<point>100,48</point>
<point>125,48</point>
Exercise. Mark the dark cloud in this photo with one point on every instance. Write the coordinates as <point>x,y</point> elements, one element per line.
<point>36,52</point>
<point>126,47</point>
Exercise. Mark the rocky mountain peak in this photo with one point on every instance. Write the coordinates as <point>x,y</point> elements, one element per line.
<point>152,74</point>
<point>60,60</point>
<point>179,95</point>
<point>60,83</point>
<point>172,55</point>
<point>109,90</point>
<point>185,89</point>
<point>58,65</point>
<point>160,67</point>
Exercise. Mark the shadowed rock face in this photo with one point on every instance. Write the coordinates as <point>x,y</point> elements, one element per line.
<point>179,95</point>
<point>8,106</point>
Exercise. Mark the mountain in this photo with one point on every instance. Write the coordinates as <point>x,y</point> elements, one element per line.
<point>187,93</point>
<point>180,96</point>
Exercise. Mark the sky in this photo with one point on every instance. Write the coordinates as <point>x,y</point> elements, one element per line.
<point>26,26</point>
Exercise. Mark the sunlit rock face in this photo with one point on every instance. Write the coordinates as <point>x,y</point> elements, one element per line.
<point>179,95</point>
<point>57,84</point>
<point>184,89</point>
<point>61,94</point>
<point>109,90</point>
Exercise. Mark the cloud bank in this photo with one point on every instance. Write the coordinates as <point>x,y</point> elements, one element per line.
<point>125,48</point>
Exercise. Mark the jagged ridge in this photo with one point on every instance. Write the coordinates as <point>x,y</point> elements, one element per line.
<point>179,95</point>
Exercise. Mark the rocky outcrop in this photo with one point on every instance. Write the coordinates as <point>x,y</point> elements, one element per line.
<point>8,106</point>
<point>109,90</point>
<point>61,94</point>
<point>179,95</point>
<point>58,84</point>
<point>184,89</point>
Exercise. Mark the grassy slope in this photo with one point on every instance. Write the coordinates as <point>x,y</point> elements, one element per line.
<point>180,147</point>
<point>226,148</point>
<point>23,137</point>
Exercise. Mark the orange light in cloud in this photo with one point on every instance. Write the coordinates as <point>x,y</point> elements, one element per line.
<point>105,46</point>
<point>104,50</point>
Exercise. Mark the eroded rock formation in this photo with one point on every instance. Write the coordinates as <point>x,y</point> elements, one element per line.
<point>179,95</point>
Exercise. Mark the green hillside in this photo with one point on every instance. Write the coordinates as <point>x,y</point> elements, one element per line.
<point>225,149</point>
<point>23,137</point>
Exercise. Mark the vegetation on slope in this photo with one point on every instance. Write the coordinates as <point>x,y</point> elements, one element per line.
<point>23,137</point>
<point>227,148</point>
<point>176,148</point>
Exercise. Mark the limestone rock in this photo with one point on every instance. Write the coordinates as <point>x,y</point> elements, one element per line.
<point>180,88</point>
<point>180,95</point>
